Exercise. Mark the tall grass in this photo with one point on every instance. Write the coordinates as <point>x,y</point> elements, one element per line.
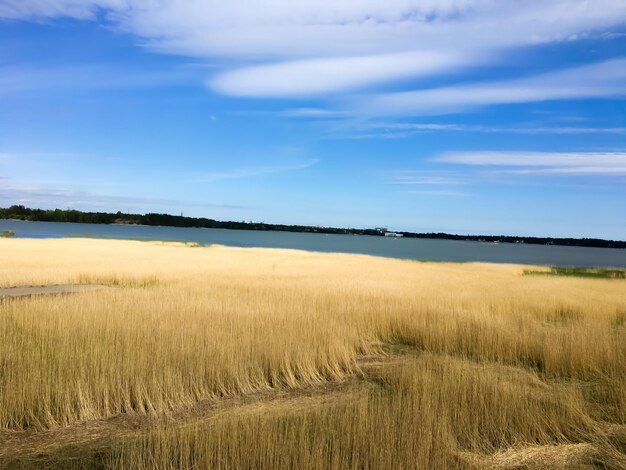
<point>491,361</point>
<point>433,412</point>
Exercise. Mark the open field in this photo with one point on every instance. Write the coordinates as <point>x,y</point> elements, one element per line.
<point>215,357</point>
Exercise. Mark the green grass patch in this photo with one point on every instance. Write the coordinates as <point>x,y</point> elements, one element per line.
<point>594,273</point>
<point>7,234</point>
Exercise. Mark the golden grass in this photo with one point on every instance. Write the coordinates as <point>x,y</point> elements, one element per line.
<point>478,366</point>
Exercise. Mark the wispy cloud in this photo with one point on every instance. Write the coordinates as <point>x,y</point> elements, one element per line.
<point>582,163</point>
<point>428,183</point>
<point>87,77</point>
<point>253,171</point>
<point>401,130</point>
<point>41,196</point>
<point>39,9</point>
<point>421,178</point>
<point>438,192</point>
<point>311,113</point>
<point>601,80</point>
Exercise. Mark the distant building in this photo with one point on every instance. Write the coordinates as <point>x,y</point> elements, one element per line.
<point>393,234</point>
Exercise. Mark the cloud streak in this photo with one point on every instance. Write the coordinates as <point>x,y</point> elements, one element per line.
<point>332,75</point>
<point>561,163</point>
<point>401,130</point>
<point>86,77</point>
<point>601,80</point>
<point>48,197</point>
<point>420,178</point>
<point>428,183</point>
<point>438,192</point>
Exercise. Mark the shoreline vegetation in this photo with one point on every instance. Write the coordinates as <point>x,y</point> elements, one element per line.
<point>222,357</point>
<point>590,273</point>
<point>17,212</point>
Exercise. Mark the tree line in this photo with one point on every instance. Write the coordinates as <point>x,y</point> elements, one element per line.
<point>18,212</point>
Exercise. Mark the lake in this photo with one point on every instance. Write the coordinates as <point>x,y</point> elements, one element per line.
<point>404,248</point>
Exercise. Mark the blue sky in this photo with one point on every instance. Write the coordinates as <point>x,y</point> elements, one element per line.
<point>464,116</point>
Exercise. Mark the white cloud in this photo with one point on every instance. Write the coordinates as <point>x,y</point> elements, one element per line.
<point>305,47</point>
<point>330,75</point>
<point>581,163</point>
<point>600,80</point>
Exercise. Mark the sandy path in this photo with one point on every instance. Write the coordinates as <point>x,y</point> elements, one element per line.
<point>26,291</point>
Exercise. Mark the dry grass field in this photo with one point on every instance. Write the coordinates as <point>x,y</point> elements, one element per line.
<point>215,357</point>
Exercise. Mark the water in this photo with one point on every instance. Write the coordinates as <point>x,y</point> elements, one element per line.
<point>405,248</point>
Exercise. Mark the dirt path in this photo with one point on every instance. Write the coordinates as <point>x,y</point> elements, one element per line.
<point>27,291</point>
<point>14,444</point>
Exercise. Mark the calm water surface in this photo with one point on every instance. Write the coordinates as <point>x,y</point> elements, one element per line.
<point>405,248</point>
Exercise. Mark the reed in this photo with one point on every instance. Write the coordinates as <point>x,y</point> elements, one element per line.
<point>438,365</point>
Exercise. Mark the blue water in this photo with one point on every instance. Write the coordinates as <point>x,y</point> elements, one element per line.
<point>405,248</point>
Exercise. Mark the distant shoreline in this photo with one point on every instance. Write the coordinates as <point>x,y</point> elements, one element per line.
<point>167,220</point>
